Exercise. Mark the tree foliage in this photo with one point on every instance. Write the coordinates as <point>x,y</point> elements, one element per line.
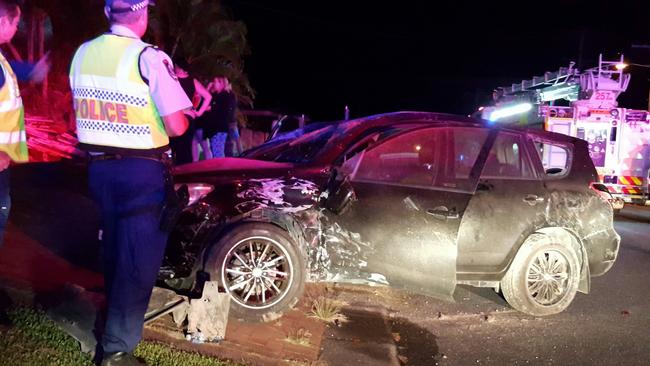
<point>65,24</point>
<point>202,31</point>
<point>206,35</point>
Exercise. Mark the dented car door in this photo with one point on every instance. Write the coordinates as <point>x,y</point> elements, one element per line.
<point>412,191</point>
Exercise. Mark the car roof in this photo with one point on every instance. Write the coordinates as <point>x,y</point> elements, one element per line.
<point>348,131</point>
<point>412,116</point>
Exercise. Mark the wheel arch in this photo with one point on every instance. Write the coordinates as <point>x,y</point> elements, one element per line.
<point>281,220</point>
<point>568,236</point>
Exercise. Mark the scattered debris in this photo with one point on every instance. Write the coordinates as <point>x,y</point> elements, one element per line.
<point>487,318</point>
<point>396,337</point>
<point>208,316</point>
<point>301,337</point>
<point>49,140</point>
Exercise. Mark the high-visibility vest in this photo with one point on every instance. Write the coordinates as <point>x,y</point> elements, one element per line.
<point>13,139</point>
<point>114,109</point>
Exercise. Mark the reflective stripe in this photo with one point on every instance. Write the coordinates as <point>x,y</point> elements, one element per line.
<point>11,105</point>
<point>630,180</point>
<point>126,92</point>
<point>115,134</point>
<point>619,189</point>
<point>12,137</point>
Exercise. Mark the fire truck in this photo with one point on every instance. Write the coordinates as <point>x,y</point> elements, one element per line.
<point>618,138</point>
<point>619,144</point>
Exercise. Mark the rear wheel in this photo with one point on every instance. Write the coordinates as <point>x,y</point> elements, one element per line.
<point>260,268</point>
<point>543,278</point>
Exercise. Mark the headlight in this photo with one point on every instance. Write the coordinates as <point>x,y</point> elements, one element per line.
<point>196,191</point>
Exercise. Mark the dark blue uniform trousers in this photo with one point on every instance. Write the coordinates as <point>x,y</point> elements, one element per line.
<point>130,192</point>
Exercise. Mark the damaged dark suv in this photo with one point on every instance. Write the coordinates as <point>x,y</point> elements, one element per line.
<point>420,201</point>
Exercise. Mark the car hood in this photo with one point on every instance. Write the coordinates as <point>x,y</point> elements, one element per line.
<point>228,165</point>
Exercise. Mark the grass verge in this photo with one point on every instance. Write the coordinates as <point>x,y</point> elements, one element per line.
<point>33,339</point>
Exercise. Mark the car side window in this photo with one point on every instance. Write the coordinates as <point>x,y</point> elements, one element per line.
<point>555,158</point>
<point>433,157</point>
<point>507,159</point>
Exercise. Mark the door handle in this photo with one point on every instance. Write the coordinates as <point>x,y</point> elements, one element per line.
<point>484,186</point>
<point>443,214</point>
<point>533,199</point>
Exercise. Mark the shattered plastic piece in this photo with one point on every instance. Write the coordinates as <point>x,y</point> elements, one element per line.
<point>396,337</point>
<point>199,338</point>
<point>625,313</point>
<point>379,278</point>
<point>208,316</point>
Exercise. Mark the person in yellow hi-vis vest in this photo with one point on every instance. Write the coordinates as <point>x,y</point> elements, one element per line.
<point>128,102</point>
<point>13,140</point>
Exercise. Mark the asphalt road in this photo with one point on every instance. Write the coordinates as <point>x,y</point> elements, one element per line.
<point>609,326</point>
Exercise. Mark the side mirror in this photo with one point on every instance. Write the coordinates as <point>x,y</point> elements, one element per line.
<point>341,194</point>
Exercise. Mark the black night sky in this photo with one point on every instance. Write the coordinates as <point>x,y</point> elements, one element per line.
<point>315,57</point>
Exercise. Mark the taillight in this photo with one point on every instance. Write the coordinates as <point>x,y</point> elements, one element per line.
<point>601,190</point>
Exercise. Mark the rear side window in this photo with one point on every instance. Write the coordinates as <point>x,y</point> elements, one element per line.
<point>555,158</point>
<point>508,159</point>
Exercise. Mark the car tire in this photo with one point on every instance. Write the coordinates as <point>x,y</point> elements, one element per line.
<point>257,294</point>
<point>543,278</point>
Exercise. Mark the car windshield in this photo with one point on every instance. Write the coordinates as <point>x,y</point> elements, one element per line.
<point>300,146</point>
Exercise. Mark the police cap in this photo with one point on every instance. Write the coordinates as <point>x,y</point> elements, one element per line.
<point>124,6</point>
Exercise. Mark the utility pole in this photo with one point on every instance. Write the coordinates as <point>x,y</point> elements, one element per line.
<point>646,47</point>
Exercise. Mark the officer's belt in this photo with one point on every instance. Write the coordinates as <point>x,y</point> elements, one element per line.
<point>160,157</point>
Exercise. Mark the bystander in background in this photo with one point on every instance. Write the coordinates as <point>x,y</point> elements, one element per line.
<point>182,146</point>
<point>220,122</point>
<point>13,138</point>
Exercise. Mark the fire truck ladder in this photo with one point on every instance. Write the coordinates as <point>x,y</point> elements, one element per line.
<point>568,82</point>
<point>607,76</point>
<point>550,79</point>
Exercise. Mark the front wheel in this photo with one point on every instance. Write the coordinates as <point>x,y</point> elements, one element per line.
<point>543,278</point>
<point>260,268</point>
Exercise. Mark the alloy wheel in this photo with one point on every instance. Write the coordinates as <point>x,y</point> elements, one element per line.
<point>257,272</point>
<point>547,277</point>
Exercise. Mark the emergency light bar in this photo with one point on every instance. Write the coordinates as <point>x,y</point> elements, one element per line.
<point>510,111</point>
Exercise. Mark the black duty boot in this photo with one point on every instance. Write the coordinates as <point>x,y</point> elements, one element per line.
<point>121,359</point>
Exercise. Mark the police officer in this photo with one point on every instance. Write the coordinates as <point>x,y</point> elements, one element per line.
<point>13,139</point>
<point>127,102</point>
